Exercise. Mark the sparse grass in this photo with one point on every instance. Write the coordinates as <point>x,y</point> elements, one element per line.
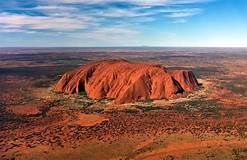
<point>234,84</point>
<point>178,108</point>
<point>210,155</point>
<point>239,153</point>
<point>169,157</point>
<point>236,154</point>
<point>197,105</point>
<point>104,100</point>
<point>210,109</point>
<point>191,105</point>
<point>47,107</point>
<point>92,109</point>
<point>96,151</point>
<point>130,110</point>
<point>42,83</point>
<point>86,104</point>
<point>147,101</point>
<point>242,131</point>
<point>152,146</point>
<point>148,108</point>
<point>82,93</point>
<point>217,129</point>
<point>228,114</point>
<point>97,109</point>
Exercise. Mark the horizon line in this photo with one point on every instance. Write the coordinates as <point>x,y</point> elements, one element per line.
<point>124,47</point>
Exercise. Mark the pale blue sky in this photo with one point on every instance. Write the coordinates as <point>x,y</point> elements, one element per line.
<point>82,23</point>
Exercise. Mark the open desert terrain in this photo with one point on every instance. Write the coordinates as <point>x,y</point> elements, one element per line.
<point>38,123</point>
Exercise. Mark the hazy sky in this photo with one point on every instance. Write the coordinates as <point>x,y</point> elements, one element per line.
<point>83,23</point>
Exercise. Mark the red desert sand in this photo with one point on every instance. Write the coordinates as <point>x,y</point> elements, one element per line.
<point>25,109</point>
<point>89,119</point>
<point>126,81</point>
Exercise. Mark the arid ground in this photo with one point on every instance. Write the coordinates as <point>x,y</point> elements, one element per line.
<point>208,124</point>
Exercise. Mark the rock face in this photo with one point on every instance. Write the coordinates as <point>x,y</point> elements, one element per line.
<point>126,81</point>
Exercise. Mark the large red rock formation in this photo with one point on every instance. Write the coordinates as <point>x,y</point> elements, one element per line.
<point>126,81</point>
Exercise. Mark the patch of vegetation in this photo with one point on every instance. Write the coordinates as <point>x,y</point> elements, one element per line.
<point>86,104</point>
<point>210,155</point>
<point>10,117</point>
<point>148,108</point>
<point>92,109</point>
<point>98,109</point>
<point>236,89</point>
<point>197,105</point>
<point>99,151</point>
<point>2,104</point>
<point>242,131</point>
<point>104,100</point>
<point>47,107</point>
<point>178,108</point>
<point>42,83</point>
<point>234,84</point>
<point>236,154</point>
<point>152,146</point>
<point>228,114</point>
<point>147,101</point>
<point>82,93</point>
<point>210,109</point>
<point>130,110</point>
<point>239,153</point>
<point>169,157</point>
<point>192,105</point>
<point>217,129</point>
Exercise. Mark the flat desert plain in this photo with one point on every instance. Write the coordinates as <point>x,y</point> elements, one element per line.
<point>38,123</point>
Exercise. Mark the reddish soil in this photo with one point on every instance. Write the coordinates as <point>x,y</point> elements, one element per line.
<point>89,119</point>
<point>228,98</point>
<point>26,109</point>
<point>126,81</point>
<point>75,127</point>
<point>177,149</point>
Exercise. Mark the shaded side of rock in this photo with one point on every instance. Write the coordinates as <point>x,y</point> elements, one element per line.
<point>186,79</point>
